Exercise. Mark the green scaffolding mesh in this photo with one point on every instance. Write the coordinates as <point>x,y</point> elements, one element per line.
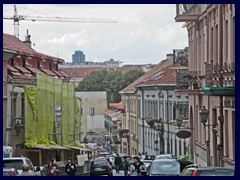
<point>30,116</point>
<point>40,106</point>
<point>58,103</point>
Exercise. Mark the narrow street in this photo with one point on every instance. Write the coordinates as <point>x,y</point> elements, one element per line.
<point>121,173</point>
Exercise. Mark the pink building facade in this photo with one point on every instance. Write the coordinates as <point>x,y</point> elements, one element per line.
<point>210,81</point>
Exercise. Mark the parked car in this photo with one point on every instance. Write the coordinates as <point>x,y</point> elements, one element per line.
<point>208,171</point>
<point>40,170</point>
<point>100,166</point>
<point>17,162</point>
<point>164,167</point>
<point>147,163</point>
<point>10,172</point>
<point>165,156</point>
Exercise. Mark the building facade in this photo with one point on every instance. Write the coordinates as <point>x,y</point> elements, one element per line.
<point>23,65</point>
<point>210,81</point>
<point>151,106</point>
<point>78,57</point>
<point>93,106</point>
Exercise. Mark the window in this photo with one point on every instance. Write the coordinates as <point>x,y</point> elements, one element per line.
<point>12,62</point>
<point>92,111</point>
<point>38,64</point>
<point>24,62</point>
<point>180,147</point>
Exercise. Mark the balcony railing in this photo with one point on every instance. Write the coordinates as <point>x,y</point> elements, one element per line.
<point>180,57</point>
<point>188,79</point>
<point>187,12</point>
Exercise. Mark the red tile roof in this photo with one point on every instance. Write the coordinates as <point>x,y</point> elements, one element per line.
<point>83,72</point>
<point>116,105</point>
<point>12,43</point>
<point>58,73</point>
<point>22,69</point>
<point>15,73</point>
<point>149,78</point>
<point>110,113</point>
<point>64,74</point>
<point>48,72</point>
<point>33,70</point>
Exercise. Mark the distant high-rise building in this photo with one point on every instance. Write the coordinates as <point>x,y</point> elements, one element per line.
<point>78,57</point>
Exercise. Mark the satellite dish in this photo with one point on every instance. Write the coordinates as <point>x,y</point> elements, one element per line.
<point>183,134</point>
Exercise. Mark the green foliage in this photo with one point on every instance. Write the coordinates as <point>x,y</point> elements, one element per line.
<point>111,82</point>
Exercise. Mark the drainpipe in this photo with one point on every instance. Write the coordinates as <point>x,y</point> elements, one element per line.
<point>221,117</point>
<point>207,141</point>
<point>143,141</point>
<point>129,124</point>
<point>167,120</point>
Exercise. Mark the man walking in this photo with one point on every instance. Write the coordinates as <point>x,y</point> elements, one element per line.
<point>125,166</point>
<point>26,172</point>
<point>70,168</point>
<point>117,162</point>
<point>137,167</point>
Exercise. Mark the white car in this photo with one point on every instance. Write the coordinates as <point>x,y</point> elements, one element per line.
<point>17,162</point>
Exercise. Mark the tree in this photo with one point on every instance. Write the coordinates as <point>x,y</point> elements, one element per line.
<point>111,82</point>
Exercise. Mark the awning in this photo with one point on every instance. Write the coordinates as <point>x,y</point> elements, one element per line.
<point>78,148</point>
<point>219,91</point>
<point>56,146</point>
<point>41,146</point>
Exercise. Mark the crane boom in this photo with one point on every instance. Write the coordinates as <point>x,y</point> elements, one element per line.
<point>16,18</point>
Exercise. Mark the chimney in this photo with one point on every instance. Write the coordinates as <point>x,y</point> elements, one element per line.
<point>169,56</point>
<point>27,40</point>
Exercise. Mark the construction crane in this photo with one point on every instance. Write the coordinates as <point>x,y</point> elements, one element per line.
<point>16,18</point>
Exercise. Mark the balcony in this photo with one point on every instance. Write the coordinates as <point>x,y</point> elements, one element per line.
<point>187,12</point>
<point>188,82</point>
<point>180,58</point>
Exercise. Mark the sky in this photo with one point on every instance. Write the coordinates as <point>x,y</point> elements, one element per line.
<point>142,34</point>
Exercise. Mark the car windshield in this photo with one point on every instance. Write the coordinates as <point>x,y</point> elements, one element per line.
<point>99,163</point>
<point>216,172</point>
<point>17,164</point>
<point>168,168</point>
<point>165,157</point>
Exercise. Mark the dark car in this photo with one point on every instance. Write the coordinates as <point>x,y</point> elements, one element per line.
<point>164,167</point>
<point>10,172</point>
<point>208,171</point>
<point>100,166</point>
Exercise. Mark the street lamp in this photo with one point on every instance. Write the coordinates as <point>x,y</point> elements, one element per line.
<point>203,115</point>
<point>179,121</point>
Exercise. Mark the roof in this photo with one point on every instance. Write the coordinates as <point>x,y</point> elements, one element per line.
<point>163,69</point>
<point>12,43</point>
<point>48,72</point>
<point>83,72</point>
<point>116,105</point>
<point>110,113</point>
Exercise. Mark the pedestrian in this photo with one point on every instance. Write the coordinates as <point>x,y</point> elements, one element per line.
<point>125,166</point>
<point>70,168</point>
<point>54,168</point>
<point>38,171</point>
<point>26,172</point>
<point>117,162</point>
<point>137,167</point>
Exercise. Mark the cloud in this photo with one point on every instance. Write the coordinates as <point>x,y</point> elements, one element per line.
<point>144,33</point>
